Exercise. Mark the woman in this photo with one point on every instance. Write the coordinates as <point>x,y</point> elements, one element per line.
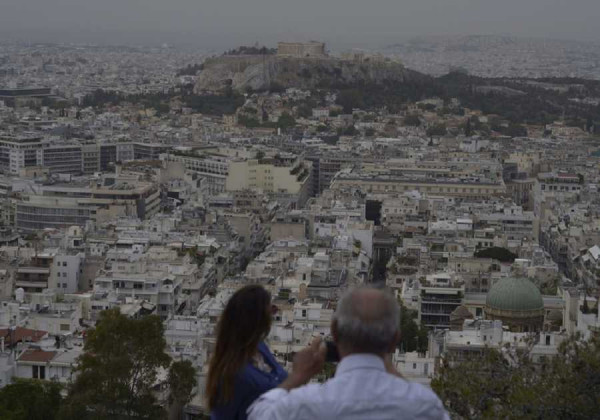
<point>242,367</point>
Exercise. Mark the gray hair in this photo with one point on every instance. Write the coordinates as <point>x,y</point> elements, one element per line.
<point>367,325</point>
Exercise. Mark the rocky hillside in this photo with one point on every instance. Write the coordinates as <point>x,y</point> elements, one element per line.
<point>264,72</point>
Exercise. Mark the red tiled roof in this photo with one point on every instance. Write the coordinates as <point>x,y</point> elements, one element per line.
<point>22,334</point>
<point>35,355</point>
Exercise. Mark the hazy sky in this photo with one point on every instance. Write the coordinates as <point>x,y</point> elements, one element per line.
<point>341,23</point>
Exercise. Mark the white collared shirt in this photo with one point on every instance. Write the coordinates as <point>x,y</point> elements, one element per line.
<point>360,389</point>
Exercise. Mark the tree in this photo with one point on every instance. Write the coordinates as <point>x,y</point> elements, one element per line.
<point>286,121</point>
<point>350,99</point>
<point>413,336</point>
<point>30,399</point>
<point>350,131</point>
<point>412,121</point>
<point>436,130</point>
<point>589,125</point>
<point>468,129</point>
<point>515,130</point>
<point>509,384</point>
<point>181,380</point>
<point>497,253</point>
<point>118,369</point>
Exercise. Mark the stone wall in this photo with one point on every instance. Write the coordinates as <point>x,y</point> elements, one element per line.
<point>301,49</point>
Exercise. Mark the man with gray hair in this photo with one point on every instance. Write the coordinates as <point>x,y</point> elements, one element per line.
<point>366,330</point>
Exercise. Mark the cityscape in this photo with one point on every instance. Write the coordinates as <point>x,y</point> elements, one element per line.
<point>144,186</point>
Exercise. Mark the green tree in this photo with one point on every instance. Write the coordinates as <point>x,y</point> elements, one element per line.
<point>286,121</point>
<point>412,121</point>
<point>30,399</point>
<point>181,380</point>
<point>349,131</point>
<point>436,130</point>
<point>468,128</point>
<point>509,384</point>
<point>413,336</point>
<point>119,367</point>
<point>497,253</point>
<point>515,130</point>
<point>350,99</point>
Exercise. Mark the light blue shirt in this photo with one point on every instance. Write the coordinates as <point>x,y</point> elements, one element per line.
<point>361,389</point>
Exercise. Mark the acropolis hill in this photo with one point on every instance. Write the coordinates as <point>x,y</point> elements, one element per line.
<point>299,65</point>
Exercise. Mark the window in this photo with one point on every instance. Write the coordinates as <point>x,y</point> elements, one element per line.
<point>548,340</point>
<point>38,372</point>
<point>64,263</point>
<point>414,365</point>
<point>64,285</point>
<point>65,327</point>
<point>303,313</point>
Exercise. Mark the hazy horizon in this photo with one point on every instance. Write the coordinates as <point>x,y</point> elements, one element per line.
<point>340,23</point>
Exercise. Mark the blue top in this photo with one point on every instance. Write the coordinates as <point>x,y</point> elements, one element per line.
<point>250,383</point>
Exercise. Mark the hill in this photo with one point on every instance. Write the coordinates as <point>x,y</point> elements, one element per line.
<point>263,72</point>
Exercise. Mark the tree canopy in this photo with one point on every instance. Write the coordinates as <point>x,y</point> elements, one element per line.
<point>30,399</point>
<point>116,373</point>
<point>414,336</point>
<point>497,253</point>
<point>181,380</point>
<point>508,384</point>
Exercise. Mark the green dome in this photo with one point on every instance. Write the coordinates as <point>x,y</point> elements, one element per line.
<point>515,294</point>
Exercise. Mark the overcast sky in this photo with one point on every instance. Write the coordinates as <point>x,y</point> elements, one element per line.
<point>341,23</point>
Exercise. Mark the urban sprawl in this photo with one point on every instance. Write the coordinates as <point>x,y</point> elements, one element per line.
<point>130,179</point>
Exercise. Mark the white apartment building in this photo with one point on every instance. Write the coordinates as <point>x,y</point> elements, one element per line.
<point>67,271</point>
<point>213,167</point>
<point>285,178</point>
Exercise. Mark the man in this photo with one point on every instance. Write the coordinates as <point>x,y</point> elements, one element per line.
<point>365,329</point>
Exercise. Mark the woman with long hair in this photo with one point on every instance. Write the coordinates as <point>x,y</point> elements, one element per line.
<point>242,366</point>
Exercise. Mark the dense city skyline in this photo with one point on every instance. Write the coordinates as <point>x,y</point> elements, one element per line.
<point>203,206</point>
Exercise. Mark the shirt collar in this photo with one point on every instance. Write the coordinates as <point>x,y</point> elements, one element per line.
<point>359,361</point>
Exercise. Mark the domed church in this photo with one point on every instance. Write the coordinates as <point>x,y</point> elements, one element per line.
<point>518,303</point>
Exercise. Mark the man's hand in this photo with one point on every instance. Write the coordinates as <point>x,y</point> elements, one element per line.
<point>307,363</point>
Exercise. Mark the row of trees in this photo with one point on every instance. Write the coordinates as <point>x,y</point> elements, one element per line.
<point>116,377</point>
<point>505,384</point>
<point>535,106</point>
<point>285,121</point>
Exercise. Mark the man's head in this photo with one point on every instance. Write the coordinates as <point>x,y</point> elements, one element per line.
<point>367,320</point>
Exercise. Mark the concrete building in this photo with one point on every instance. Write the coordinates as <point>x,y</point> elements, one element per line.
<point>67,272</point>
<point>388,183</point>
<point>518,303</point>
<point>68,204</point>
<point>18,152</point>
<point>438,300</point>
<point>212,166</point>
<point>284,178</point>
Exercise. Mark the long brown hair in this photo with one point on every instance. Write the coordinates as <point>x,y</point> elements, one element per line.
<point>245,322</point>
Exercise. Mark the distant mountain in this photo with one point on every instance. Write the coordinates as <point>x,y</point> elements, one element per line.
<point>499,56</point>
